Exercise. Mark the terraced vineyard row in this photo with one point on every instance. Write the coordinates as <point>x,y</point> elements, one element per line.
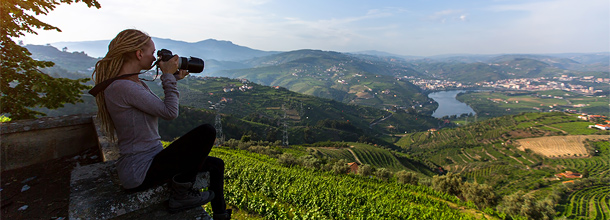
<point>480,174</point>
<point>377,157</point>
<point>337,153</point>
<point>598,166</point>
<point>588,203</point>
<point>486,132</point>
<point>256,184</point>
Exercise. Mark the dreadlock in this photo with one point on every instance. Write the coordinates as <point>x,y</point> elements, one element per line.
<point>125,43</point>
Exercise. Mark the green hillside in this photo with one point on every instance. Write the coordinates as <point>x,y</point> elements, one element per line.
<point>494,167</point>
<point>477,72</point>
<point>336,76</point>
<point>77,62</point>
<point>256,110</point>
<point>489,104</point>
<point>257,184</point>
<point>375,156</point>
<point>492,152</point>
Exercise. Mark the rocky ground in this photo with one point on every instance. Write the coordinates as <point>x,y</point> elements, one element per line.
<point>41,191</point>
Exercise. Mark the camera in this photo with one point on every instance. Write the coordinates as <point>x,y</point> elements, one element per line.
<point>192,64</point>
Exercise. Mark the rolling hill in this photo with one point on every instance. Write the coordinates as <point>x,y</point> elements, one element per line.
<point>205,49</point>
<point>310,118</point>
<point>335,76</point>
<point>501,152</point>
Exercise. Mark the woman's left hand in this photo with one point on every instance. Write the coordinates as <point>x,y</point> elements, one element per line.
<point>181,74</point>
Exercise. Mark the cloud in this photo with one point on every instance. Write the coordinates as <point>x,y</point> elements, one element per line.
<point>463,17</point>
<point>330,34</point>
<point>447,15</point>
<point>554,26</point>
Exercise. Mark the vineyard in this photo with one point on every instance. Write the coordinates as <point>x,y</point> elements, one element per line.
<point>374,156</point>
<point>484,153</point>
<point>559,146</point>
<point>495,130</point>
<point>588,203</point>
<point>597,166</point>
<point>260,185</point>
<point>518,102</point>
<point>256,183</point>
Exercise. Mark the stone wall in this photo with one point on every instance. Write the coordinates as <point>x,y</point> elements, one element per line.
<point>27,142</point>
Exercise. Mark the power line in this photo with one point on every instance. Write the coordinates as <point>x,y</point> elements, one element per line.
<point>220,138</point>
<point>285,124</point>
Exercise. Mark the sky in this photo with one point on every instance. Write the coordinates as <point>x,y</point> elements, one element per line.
<point>413,27</point>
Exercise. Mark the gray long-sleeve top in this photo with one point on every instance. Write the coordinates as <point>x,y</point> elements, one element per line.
<point>135,110</point>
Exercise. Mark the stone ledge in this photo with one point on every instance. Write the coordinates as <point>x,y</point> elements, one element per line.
<point>43,123</point>
<point>96,193</point>
<point>110,149</point>
<point>28,142</point>
<point>159,211</point>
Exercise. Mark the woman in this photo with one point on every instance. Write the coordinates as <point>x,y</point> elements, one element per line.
<point>128,107</point>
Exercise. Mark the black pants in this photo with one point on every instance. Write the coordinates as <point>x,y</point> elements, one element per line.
<point>187,156</point>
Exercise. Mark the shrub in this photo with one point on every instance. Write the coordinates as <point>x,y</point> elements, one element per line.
<point>340,167</point>
<point>287,159</point>
<point>482,195</point>
<point>405,177</point>
<point>383,174</point>
<point>521,204</point>
<point>310,161</point>
<point>263,150</point>
<point>245,138</point>
<point>450,183</point>
<point>366,170</point>
<point>4,118</point>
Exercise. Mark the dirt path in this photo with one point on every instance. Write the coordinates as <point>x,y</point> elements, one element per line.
<point>488,154</point>
<point>467,155</point>
<point>462,158</point>
<point>514,158</point>
<point>381,119</point>
<point>357,160</point>
<point>562,131</point>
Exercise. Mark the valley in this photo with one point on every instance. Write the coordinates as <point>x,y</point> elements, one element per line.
<point>338,108</point>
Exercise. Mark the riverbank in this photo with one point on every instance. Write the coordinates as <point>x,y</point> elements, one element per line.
<point>448,104</point>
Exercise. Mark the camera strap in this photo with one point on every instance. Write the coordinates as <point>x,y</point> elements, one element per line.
<point>102,86</point>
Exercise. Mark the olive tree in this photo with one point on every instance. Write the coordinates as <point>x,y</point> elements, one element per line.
<point>22,84</point>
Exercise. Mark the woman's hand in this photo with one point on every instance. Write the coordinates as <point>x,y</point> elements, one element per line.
<point>181,74</point>
<point>171,66</point>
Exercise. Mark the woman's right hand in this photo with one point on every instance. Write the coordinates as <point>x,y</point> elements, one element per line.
<point>171,66</point>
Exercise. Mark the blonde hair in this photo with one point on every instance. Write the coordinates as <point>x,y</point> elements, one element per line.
<point>125,43</point>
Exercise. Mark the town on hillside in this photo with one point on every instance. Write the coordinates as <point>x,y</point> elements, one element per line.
<point>565,83</point>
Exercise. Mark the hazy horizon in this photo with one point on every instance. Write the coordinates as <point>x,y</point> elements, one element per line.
<point>413,28</point>
<point>60,44</point>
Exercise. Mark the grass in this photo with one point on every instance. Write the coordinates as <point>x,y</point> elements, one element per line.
<point>517,102</point>
<point>576,128</point>
<point>558,146</point>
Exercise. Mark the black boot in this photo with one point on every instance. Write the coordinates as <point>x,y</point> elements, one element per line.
<point>185,197</point>
<point>223,216</point>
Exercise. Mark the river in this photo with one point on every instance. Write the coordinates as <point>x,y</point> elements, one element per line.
<point>448,105</point>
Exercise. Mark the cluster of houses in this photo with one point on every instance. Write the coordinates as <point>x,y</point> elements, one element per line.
<point>568,175</point>
<point>242,88</point>
<point>595,117</point>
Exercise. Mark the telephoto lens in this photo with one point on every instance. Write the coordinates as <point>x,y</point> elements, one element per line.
<point>192,64</point>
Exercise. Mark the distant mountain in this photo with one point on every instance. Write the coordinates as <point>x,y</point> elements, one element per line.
<point>586,58</point>
<point>206,49</point>
<point>477,72</point>
<point>459,58</point>
<point>77,62</point>
<point>562,63</point>
<point>385,54</point>
<point>331,74</point>
<point>335,76</point>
